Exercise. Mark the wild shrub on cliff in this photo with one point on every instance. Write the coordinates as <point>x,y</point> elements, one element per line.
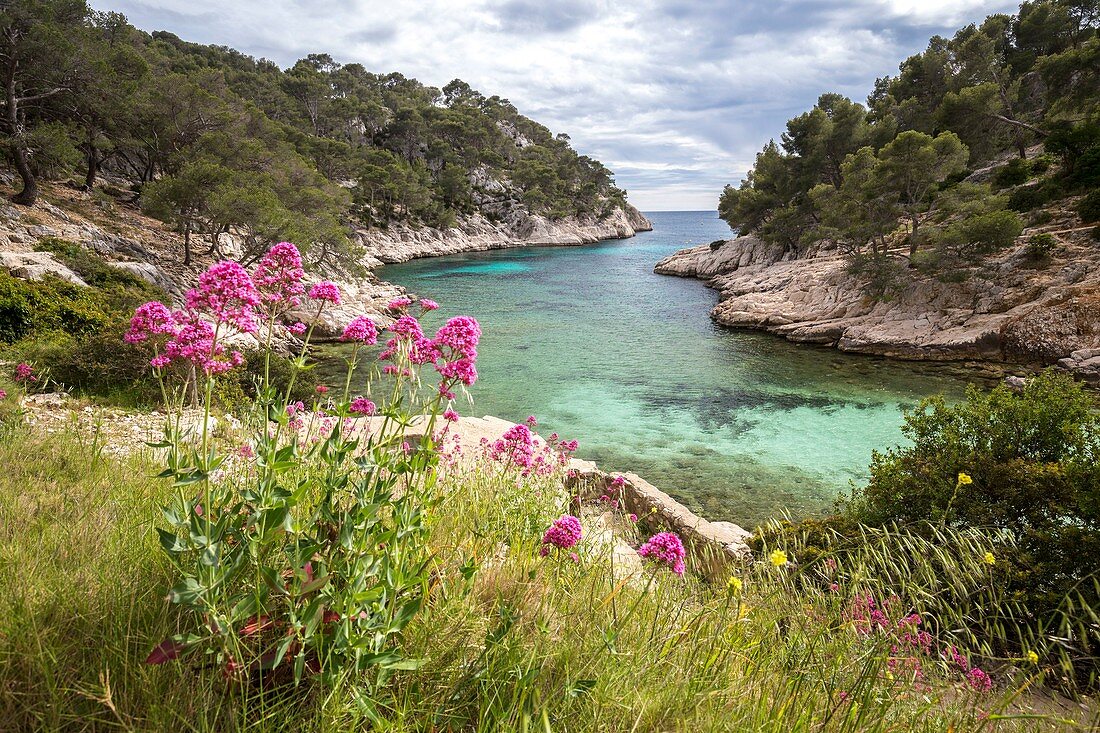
<point>305,551</point>
<point>1027,464</point>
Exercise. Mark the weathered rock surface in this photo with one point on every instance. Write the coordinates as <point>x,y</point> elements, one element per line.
<point>37,265</point>
<point>518,228</point>
<point>1007,309</point>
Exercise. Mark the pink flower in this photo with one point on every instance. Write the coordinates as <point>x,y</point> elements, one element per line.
<point>321,389</point>
<point>461,335</point>
<point>399,303</point>
<point>362,406</point>
<point>428,305</point>
<point>278,276</point>
<point>531,422</point>
<point>979,680</point>
<point>246,451</point>
<point>297,328</point>
<point>665,547</point>
<point>517,446</point>
<point>361,329</point>
<point>226,293</point>
<point>564,533</point>
<point>633,517</point>
<point>325,291</point>
<point>574,557</point>
<point>3,394</point>
<point>194,342</point>
<point>150,319</point>
<point>450,415</point>
<point>24,372</point>
<point>618,482</point>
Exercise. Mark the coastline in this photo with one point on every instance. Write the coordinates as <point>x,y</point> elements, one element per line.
<point>1003,315</point>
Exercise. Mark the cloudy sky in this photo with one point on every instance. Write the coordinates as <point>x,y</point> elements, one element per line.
<point>675,96</point>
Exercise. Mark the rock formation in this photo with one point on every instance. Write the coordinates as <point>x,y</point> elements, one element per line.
<point>1007,308</point>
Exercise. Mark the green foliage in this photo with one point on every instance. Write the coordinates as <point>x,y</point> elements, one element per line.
<point>981,233</point>
<point>1041,246</point>
<point>1034,461</point>
<point>991,88</point>
<point>1089,208</point>
<point>1013,173</point>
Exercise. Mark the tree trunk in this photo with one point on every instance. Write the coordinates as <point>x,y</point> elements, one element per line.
<point>913,238</point>
<point>29,194</point>
<point>93,166</point>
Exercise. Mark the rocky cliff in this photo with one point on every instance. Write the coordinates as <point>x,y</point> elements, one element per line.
<point>518,228</point>
<point>1007,308</point>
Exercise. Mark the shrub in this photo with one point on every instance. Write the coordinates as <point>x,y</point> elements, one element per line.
<point>1013,173</point>
<point>881,274</point>
<point>1040,246</point>
<point>92,269</point>
<point>982,233</point>
<point>1026,198</point>
<point>1031,464</point>
<point>1089,208</point>
<point>1038,218</point>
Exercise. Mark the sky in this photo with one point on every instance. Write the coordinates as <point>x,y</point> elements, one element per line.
<point>674,96</point>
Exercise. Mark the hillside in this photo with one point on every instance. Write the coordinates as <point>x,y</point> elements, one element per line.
<point>954,216</point>
<point>214,142</point>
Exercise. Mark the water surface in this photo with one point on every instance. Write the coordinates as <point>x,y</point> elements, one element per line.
<point>738,425</point>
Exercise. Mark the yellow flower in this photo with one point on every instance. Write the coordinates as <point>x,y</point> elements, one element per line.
<point>778,557</point>
<point>735,585</point>
<point>1033,657</point>
<point>988,559</point>
<point>964,479</point>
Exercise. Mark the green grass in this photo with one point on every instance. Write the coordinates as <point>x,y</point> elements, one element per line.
<point>508,641</point>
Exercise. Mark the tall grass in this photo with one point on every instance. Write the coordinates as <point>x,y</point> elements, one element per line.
<point>508,640</point>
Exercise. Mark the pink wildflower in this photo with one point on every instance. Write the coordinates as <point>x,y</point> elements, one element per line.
<point>450,415</point>
<point>399,303</point>
<point>24,372</point>
<point>428,305</point>
<point>150,319</point>
<point>194,342</point>
<point>361,329</point>
<point>3,394</point>
<point>325,291</point>
<point>574,557</point>
<point>246,451</point>
<point>321,389</point>
<point>633,517</point>
<point>665,547</point>
<point>278,277</point>
<point>226,293</point>
<point>979,680</point>
<point>564,533</point>
<point>362,406</point>
<point>531,422</point>
<point>297,328</point>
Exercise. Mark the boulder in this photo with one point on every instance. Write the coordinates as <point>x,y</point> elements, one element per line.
<point>37,265</point>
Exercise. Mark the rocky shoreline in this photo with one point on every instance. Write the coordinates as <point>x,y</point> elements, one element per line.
<point>402,242</point>
<point>1005,311</point>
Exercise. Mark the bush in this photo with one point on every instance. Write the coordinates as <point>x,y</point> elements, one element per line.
<point>1013,173</point>
<point>881,274</point>
<point>1089,208</point>
<point>1027,198</point>
<point>1027,463</point>
<point>1040,246</point>
<point>92,269</point>
<point>982,233</point>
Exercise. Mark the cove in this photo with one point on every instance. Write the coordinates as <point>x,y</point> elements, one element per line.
<point>740,426</point>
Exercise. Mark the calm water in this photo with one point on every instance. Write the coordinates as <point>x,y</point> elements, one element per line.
<point>737,425</point>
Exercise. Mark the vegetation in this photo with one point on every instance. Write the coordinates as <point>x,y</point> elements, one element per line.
<point>1022,466</point>
<point>217,140</point>
<point>870,178</point>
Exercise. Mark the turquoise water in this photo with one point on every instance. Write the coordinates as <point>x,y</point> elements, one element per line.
<point>738,425</point>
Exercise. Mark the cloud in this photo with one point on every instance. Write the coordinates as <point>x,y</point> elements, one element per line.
<point>675,96</point>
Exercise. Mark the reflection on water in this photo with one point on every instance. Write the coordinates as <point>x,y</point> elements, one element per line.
<point>738,425</point>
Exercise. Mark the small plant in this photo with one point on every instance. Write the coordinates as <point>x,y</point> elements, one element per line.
<point>1013,173</point>
<point>1041,246</point>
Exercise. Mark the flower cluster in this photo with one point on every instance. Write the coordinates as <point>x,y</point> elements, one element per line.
<point>361,330</point>
<point>665,548</point>
<point>24,373</point>
<point>325,291</point>
<point>278,277</point>
<point>564,533</point>
<point>228,295</point>
<point>362,406</point>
